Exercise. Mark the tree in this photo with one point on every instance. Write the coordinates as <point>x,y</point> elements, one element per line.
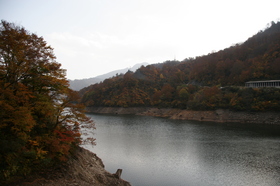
<point>40,120</point>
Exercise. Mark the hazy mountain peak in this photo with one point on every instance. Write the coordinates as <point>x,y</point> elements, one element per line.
<point>78,84</point>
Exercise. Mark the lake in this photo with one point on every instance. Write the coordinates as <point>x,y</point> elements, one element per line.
<point>162,152</point>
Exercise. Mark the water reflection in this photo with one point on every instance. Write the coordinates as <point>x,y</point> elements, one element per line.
<point>156,151</point>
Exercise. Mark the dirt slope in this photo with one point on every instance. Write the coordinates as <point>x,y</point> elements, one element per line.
<point>84,169</point>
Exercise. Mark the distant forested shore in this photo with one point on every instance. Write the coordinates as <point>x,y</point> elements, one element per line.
<point>219,115</point>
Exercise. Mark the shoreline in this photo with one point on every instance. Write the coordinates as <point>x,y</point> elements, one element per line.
<point>219,115</point>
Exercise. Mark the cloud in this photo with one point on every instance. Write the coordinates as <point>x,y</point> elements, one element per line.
<point>120,34</point>
<point>92,50</point>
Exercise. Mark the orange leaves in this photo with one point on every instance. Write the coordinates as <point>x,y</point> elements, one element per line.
<point>39,113</point>
<point>65,136</point>
<point>164,96</point>
<point>62,142</point>
<point>33,143</point>
<point>40,154</point>
<point>16,115</point>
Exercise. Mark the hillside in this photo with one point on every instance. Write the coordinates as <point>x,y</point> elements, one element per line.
<point>194,83</point>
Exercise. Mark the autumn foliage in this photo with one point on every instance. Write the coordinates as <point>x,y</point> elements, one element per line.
<point>40,121</point>
<point>206,82</point>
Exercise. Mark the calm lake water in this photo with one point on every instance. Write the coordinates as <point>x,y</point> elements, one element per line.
<point>157,152</point>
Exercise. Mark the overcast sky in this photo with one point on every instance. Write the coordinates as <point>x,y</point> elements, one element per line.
<point>93,37</point>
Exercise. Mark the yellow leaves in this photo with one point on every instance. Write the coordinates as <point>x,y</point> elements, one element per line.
<point>184,94</point>
<point>40,154</point>
<point>33,143</point>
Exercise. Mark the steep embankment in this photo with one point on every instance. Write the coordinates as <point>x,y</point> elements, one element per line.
<point>84,168</point>
<point>219,115</point>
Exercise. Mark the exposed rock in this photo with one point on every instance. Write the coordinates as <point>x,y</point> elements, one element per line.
<point>220,115</point>
<point>116,110</point>
<point>118,173</point>
<point>83,169</point>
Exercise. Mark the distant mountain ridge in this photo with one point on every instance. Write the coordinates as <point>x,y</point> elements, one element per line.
<point>78,84</point>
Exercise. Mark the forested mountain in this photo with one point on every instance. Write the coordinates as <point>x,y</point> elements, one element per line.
<point>194,83</point>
